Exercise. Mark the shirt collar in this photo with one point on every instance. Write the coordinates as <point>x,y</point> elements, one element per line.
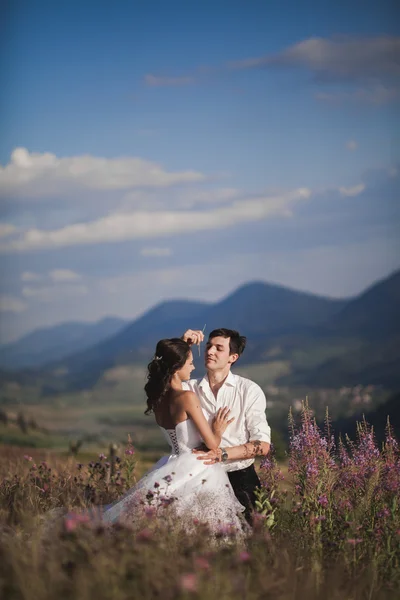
<point>230,380</point>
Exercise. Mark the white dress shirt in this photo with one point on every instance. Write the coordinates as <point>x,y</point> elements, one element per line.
<point>247,403</point>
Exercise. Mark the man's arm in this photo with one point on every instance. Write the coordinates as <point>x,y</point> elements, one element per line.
<point>243,452</point>
<point>259,432</point>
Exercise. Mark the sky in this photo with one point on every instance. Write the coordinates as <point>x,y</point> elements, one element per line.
<point>152,150</point>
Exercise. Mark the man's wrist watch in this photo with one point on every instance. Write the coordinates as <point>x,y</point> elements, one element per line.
<point>224,455</point>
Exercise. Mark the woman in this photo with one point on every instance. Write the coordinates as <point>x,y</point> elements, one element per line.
<point>197,491</point>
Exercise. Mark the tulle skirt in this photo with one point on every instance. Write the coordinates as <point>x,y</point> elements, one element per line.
<point>194,491</point>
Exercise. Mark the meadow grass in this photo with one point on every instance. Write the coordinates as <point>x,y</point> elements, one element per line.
<point>326,526</point>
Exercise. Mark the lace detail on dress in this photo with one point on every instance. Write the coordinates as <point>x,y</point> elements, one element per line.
<point>174,441</point>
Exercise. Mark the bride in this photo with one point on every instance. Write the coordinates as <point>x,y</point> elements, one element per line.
<point>197,491</point>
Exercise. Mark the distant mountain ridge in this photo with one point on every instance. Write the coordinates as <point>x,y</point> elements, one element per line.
<point>326,342</point>
<point>371,321</point>
<point>257,309</point>
<point>47,344</point>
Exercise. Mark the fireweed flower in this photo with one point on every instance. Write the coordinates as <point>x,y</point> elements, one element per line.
<point>202,563</point>
<point>244,557</point>
<point>145,535</point>
<point>189,583</point>
<point>130,450</point>
<point>311,456</point>
<point>323,501</point>
<point>354,541</point>
<point>270,472</point>
<point>149,512</point>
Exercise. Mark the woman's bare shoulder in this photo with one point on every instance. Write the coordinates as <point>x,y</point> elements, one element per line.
<point>185,398</point>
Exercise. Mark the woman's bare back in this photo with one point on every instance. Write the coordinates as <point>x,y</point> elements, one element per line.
<point>170,411</point>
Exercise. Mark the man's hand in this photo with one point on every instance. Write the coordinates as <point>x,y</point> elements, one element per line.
<point>193,336</point>
<point>209,458</point>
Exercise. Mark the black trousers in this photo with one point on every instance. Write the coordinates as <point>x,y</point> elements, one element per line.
<point>244,482</point>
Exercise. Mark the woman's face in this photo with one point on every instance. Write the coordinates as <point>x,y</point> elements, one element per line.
<point>188,367</point>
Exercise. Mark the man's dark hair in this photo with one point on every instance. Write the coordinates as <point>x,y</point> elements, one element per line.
<point>237,342</point>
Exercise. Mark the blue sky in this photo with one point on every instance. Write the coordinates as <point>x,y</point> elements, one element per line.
<point>152,150</point>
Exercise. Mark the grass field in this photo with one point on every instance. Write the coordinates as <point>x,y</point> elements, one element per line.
<point>327,526</point>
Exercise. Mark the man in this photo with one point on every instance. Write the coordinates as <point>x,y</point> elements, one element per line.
<point>249,435</point>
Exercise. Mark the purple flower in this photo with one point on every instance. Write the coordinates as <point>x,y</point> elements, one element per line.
<point>244,557</point>
<point>354,541</point>
<point>145,535</point>
<point>149,511</point>
<point>202,563</point>
<point>323,501</point>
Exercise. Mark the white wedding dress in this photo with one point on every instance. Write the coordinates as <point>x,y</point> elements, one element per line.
<point>198,492</point>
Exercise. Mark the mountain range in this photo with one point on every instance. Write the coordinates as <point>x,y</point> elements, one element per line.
<point>55,343</point>
<point>326,342</point>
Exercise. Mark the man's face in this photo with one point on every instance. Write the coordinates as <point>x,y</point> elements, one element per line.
<point>217,354</point>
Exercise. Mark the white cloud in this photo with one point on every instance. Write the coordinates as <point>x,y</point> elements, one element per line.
<point>185,198</point>
<point>30,276</point>
<point>342,58</point>
<point>369,66</point>
<point>351,145</point>
<point>53,293</point>
<point>6,229</point>
<point>159,81</point>
<point>196,197</point>
<point>156,252</point>
<point>355,190</point>
<point>58,275</point>
<point>11,304</point>
<point>372,94</point>
<point>117,227</point>
<point>33,175</point>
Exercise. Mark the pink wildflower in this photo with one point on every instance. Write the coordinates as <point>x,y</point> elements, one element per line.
<point>26,457</point>
<point>202,563</point>
<point>189,582</point>
<point>354,541</point>
<point>150,512</point>
<point>145,535</point>
<point>70,523</point>
<point>323,501</point>
<point>244,557</point>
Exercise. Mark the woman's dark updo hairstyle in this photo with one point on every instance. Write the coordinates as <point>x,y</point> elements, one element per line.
<point>170,356</point>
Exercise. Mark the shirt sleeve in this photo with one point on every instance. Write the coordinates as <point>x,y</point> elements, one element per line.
<point>256,420</point>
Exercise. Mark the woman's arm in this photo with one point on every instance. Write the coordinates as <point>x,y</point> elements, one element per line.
<point>211,435</point>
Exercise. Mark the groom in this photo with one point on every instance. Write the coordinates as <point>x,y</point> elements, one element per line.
<point>249,435</point>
